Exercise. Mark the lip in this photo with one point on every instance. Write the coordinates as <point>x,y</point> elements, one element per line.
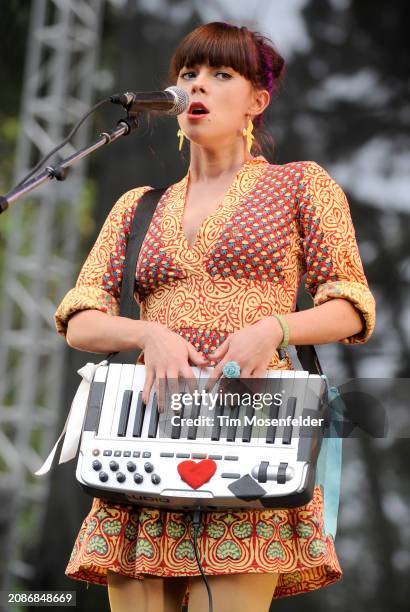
<point>195,105</point>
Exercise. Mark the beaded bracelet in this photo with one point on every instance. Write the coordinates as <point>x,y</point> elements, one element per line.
<point>285,328</point>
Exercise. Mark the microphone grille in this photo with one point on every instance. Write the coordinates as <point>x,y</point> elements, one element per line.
<point>181,100</point>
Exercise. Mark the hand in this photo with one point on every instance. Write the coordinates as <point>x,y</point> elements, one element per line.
<point>251,347</point>
<point>167,357</point>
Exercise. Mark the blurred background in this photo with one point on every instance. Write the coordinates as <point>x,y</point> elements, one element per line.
<point>344,103</point>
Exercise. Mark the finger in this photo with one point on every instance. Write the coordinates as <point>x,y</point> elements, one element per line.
<point>221,351</point>
<point>172,389</point>
<point>149,379</point>
<point>214,377</point>
<point>160,389</point>
<point>195,357</point>
<point>259,373</point>
<point>189,381</point>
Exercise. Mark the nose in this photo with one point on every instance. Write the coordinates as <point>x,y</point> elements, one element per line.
<point>199,83</point>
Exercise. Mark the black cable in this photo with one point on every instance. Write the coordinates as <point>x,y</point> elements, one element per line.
<point>65,141</point>
<point>196,521</point>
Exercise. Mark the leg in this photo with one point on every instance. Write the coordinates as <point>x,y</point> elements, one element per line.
<point>233,592</point>
<point>149,595</point>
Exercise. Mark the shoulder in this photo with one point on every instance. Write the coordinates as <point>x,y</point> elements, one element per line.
<point>298,170</point>
<point>130,199</point>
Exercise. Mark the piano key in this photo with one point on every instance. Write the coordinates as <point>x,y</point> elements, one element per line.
<point>271,429</point>
<point>290,413</point>
<point>154,416</point>
<point>216,429</point>
<point>271,386</point>
<point>95,402</point>
<point>110,397</point>
<point>124,384</point>
<point>247,426</point>
<point>139,416</point>
<point>195,412</point>
<point>176,426</point>
<point>232,426</point>
<point>125,411</point>
<point>275,385</point>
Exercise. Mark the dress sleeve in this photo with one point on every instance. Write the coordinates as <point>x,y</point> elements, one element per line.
<point>99,283</point>
<point>331,255</point>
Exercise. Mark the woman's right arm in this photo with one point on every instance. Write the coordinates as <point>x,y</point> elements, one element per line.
<point>88,315</point>
<point>98,332</point>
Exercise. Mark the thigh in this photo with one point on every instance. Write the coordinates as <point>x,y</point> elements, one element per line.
<point>233,592</point>
<point>152,594</point>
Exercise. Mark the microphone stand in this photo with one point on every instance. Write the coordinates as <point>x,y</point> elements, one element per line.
<point>60,171</point>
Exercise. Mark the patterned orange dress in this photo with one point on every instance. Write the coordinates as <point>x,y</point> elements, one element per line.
<point>275,223</point>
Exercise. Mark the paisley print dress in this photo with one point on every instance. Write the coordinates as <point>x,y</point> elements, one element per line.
<point>275,224</point>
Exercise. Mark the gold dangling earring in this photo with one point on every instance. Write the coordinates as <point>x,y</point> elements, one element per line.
<point>248,133</point>
<point>181,137</point>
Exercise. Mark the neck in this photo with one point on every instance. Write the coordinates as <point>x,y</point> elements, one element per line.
<point>208,164</point>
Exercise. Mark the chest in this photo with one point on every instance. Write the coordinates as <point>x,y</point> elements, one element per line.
<point>199,206</point>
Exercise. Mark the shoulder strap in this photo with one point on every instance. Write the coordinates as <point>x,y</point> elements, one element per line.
<point>140,224</point>
<point>128,306</point>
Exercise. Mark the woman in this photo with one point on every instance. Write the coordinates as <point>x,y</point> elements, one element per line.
<point>225,251</point>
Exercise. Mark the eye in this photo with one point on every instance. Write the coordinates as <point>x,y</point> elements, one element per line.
<point>223,76</point>
<point>187,75</point>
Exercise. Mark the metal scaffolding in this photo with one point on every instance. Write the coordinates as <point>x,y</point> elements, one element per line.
<point>39,265</point>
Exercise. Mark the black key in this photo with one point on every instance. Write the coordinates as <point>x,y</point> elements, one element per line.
<point>290,412</point>
<point>231,457</point>
<point>232,427</point>
<point>139,417</point>
<point>176,427</point>
<point>247,426</point>
<point>125,412</point>
<point>198,456</point>
<point>167,455</point>
<point>230,475</point>
<point>192,429</point>
<point>214,457</point>
<point>182,455</point>
<point>216,429</point>
<point>153,423</point>
<point>271,429</point>
<point>95,402</point>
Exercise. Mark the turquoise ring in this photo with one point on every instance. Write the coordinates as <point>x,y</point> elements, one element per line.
<point>231,369</point>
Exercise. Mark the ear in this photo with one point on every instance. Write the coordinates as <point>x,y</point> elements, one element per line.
<point>260,100</point>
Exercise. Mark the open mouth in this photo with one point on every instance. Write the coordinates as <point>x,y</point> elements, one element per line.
<point>197,108</point>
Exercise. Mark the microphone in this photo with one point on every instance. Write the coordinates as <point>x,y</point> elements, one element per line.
<point>172,101</point>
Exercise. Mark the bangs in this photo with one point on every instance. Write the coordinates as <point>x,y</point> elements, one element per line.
<point>216,45</point>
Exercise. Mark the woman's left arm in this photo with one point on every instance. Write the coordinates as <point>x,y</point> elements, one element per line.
<point>344,307</point>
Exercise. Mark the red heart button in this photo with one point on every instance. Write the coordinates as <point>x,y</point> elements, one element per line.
<point>196,474</point>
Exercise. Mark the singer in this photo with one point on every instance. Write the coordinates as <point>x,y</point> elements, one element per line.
<point>225,252</point>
